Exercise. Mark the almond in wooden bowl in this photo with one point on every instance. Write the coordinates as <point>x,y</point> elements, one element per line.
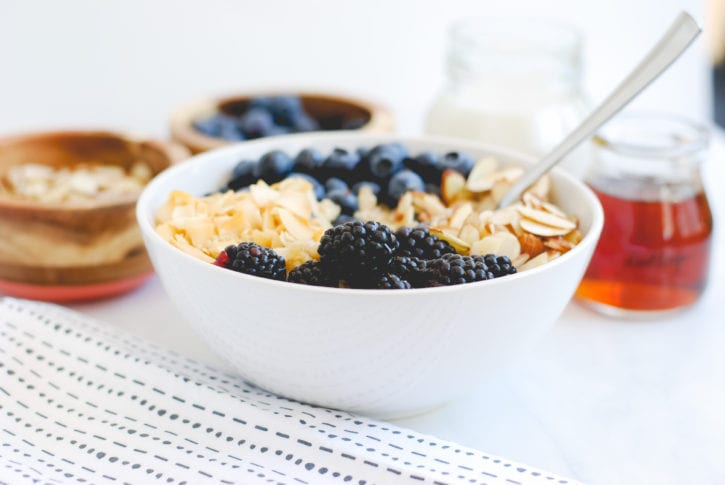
<point>67,220</point>
<point>325,112</point>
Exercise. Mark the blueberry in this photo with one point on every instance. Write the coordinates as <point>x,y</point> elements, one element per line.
<point>426,165</point>
<point>217,125</point>
<point>354,123</point>
<point>230,130</point>
<point>397,147</point>
<point>284,109</point>
<point>308,161</point>
<point>340,163</point>
<point>317,187</point>
<point>278,130</point>
<point>256,123</point>
<point>304,122</point>
<point>274,166</point>
<point>386,160</point>
<point>363,152</point>
<point>458,161</point>
<point>261,102</point>
<point>243,174</point>
<point>373,186</point>
<point>345,199</point>
<point>342,219</point>
<point>434,189</point>
<point>402,182</point>
<point>333,184</point>
<point>210,126</point>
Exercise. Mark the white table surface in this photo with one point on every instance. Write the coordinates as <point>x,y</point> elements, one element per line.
<point>601,400</point>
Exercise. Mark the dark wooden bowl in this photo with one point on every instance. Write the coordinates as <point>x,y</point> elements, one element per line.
<point>75,251</point>
<point>319,106</point>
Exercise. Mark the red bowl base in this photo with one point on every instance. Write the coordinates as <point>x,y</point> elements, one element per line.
<point>68,293</point>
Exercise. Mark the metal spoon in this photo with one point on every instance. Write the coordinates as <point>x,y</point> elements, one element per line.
<point>672,44</point>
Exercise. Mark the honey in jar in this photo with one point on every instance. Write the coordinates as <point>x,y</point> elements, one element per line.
<point>654,251</point>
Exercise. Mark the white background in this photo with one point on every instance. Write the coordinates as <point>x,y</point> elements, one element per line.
<point>128,64</point>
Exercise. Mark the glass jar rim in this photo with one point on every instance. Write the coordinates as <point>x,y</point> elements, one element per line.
<point>517,34</point>
<point>653,135</point>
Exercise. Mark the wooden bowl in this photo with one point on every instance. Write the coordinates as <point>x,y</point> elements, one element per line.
<point>319,106</point>
<point>75,251</point>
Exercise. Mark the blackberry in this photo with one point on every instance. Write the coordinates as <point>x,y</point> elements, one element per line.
<point>391,281</point>
<point>313,273</point>
<point>357,248</point>
<point>418,242</point>
<point>252,259</point>
<point>499,265</point>
<point>454,269</point>
<point>408,268</point>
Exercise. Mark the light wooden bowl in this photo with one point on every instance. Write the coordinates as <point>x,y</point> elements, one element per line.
<point>75,251</point>
<point>317,105</point>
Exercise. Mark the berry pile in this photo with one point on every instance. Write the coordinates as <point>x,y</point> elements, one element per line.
<point>388,169</point>
<point>370,255</point>
<point>267,116</point>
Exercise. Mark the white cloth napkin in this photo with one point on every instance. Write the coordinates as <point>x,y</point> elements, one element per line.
<point>81,402</point>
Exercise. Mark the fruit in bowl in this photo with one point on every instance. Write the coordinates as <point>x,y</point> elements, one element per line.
<point>370,350</point>
<point>213,123</point>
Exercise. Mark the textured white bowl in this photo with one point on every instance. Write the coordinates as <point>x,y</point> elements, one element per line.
<point>375,352</point>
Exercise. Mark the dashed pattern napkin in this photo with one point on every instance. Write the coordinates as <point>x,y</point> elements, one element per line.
<point>81,402</point>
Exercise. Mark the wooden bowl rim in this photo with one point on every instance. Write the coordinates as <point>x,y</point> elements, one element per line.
<point>182,130</point>
<point>173,151</point>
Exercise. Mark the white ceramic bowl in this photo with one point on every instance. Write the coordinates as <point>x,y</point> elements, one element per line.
<point>375,352</point>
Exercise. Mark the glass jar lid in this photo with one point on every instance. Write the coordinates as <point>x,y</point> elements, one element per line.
<point>653,136</point>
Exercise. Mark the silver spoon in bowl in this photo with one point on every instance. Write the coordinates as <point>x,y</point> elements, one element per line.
<point>673,43</point>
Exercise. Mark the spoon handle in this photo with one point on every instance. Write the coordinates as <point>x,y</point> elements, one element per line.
<point>673,43</point>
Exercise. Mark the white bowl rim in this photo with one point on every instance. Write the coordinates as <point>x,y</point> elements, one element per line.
<point>143,211</point>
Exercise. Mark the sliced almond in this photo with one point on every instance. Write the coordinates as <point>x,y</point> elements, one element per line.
<point>542,258</point>
<point>531,244</point>
<point>452,185</point>
<point>505,216</point>
<point>546,218</point>
<point>531,200</point>
<point>558,244</point>
<point>541,188</point>
<point>469,234</point>
<point>487,245</point>
<point>482,176</point>
<point>520,259</point>
<point>485,203</point>
<point>501,244</point>
<point>428,203</point>
<point>405,216</point>
<point>541,229</point>
<point>460,215</point>
<point>500,187</point>
<point>461,247</point>
<point>510,245</point>
<point>574,236</point>
<point>549,207</point>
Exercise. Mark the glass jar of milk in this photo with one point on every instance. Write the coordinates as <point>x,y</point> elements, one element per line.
<point>512,83</point>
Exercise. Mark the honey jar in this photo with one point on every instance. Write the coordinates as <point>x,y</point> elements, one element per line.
<point>654,251</point>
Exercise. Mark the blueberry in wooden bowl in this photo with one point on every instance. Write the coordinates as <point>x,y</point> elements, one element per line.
<point>215,122</point>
